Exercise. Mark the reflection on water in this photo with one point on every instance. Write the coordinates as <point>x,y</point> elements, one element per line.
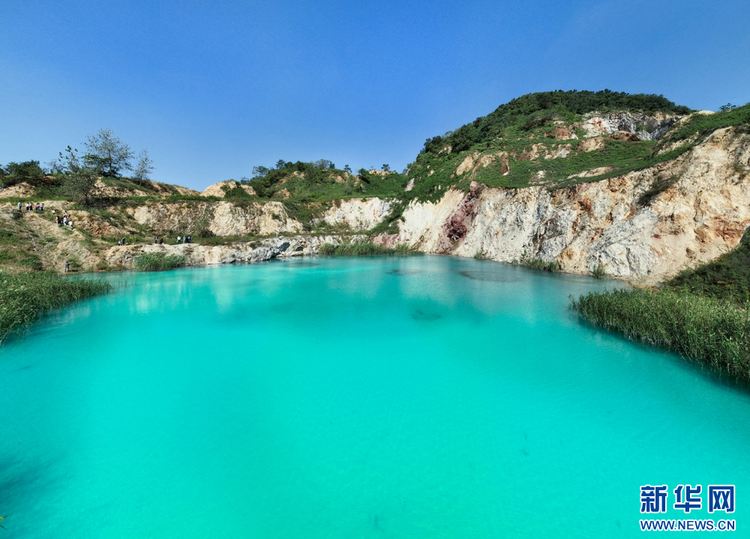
<point>421,315</point>
<point>489,276</point>
<point>250,401</point>
<point>292,263</point>
<point>404,272</point>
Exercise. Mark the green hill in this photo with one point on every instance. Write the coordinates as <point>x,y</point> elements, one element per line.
<point>550,139</point>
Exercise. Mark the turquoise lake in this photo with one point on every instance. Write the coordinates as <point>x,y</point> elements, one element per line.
<point>393,397</point>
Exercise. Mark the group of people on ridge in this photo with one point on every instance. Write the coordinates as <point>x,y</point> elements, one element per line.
<point>64,219</point>
<point>180,239</point>
<point>36,206</point>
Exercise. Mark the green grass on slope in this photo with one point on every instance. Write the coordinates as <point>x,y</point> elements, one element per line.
<point>517,129</point>
<point>533,110</point>
<point>25,297</point>
<point>705,124</point>
<point>727,277</point>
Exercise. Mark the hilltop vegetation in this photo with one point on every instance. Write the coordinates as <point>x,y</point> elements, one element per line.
<point>544,139</point>
<point>84,177</point>
<point>320,181</point>
<point>539,109</point>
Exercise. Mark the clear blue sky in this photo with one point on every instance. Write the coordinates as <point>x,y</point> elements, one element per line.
<point>213,88</point>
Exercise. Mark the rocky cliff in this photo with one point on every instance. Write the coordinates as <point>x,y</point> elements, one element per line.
<point>643,226</point>
<point>545,178</point>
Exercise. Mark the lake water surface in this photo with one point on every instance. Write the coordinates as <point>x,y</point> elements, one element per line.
<point>409,397</point>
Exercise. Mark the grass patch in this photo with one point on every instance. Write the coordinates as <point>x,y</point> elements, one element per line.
<point>705,124</point>
<point>364,248</point>
<point>31,261</point>
<point>25,297</point>
<point>713,331</point>
<point>536,263</point>
<point>389,224</point>
<point>599,272</point>
<point>9,237</point>
<point>727,277</point>
<point>158,262</point>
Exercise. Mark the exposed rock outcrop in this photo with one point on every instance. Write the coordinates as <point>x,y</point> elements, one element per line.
<point>357,214</point>
<point>204,255</point>
<point>701,214</point>
<point>220,189</point>
<point>20,190</point>
<point>646,127</point>
<point>218,218</point>
<point>643,226</point>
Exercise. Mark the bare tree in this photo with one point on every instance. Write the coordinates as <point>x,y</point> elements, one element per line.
<point>107,153</point>
<point>144,167</point>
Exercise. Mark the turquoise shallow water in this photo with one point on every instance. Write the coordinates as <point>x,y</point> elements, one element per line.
<point>416,397</point>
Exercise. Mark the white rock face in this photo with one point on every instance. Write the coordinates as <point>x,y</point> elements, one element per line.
<point>221,218</point>
<point>358,214</point>
<point>701,216</point>
<point>701,213</point>
<point>217,189</point>
<point>647,127</point>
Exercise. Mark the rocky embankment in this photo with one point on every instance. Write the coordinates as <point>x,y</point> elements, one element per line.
<point>204,255</point>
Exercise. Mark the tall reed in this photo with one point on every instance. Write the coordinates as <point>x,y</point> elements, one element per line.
<point>711,330</point>
<point>158,262</point>
<point>25,297</point>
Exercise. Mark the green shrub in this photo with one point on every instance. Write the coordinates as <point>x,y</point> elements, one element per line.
<point>235,192</point>
<point>27,296</point>
<point>158,262</point>
<point>535,110</point>
<point>599,272</point>
<point>727,277</point>
<point>537,263</point>
<point>705,124</point>
<point>31,261</point>
<point>714,331</point>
